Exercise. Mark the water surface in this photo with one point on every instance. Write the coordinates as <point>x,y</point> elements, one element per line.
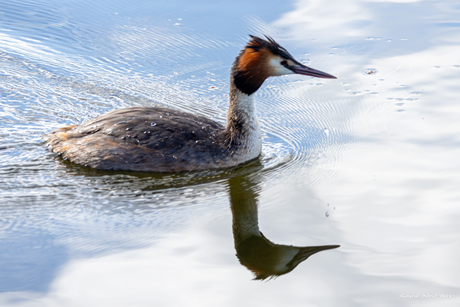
<point>368,161</point>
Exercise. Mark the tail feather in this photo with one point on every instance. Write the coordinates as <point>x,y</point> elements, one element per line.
<point>54,138</point>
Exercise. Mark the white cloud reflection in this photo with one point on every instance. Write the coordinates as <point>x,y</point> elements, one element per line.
<point>394,184</point>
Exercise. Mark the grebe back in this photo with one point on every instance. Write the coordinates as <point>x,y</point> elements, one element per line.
<point>154,139</point>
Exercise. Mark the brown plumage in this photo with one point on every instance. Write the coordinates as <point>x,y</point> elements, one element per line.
<point>133,138</point>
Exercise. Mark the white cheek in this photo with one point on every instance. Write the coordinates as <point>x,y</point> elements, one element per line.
<point>278,69</point>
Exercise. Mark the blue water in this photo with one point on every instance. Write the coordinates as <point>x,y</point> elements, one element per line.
<point>368,161</point>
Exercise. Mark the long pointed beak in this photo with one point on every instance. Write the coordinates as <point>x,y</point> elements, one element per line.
<point>307,71</point>
<point>306,252</point>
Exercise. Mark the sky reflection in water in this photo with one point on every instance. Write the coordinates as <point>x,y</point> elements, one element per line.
<point>368,161</point>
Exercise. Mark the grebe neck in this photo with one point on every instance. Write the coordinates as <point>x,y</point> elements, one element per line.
<point>242,125</point>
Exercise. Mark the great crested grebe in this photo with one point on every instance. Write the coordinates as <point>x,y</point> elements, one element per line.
<point>155,139</point>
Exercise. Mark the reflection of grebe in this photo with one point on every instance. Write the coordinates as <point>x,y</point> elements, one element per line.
<point>156,139</point>
<point>263,257</point>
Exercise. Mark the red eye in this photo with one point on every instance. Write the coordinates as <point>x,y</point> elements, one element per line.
<point>284,63</point>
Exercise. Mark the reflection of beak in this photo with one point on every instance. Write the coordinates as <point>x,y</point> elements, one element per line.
<point>306,252</point>
<point>307,71</point>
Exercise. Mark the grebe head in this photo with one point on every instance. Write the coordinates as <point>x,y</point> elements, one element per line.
<point>261,59</point>
<point>268,260</point>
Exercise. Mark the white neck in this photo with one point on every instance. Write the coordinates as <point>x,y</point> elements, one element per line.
<point>243,126</point>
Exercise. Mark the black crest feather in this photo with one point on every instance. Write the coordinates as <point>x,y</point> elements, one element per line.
<point>271,45</point>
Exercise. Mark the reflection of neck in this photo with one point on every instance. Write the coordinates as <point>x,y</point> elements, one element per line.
<point>244,211</point>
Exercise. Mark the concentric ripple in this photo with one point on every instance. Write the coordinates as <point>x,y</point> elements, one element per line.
<point>307,123</point>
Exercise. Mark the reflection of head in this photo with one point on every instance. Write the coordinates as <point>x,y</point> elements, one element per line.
<point>267,259</point>
<point>263,257</point>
